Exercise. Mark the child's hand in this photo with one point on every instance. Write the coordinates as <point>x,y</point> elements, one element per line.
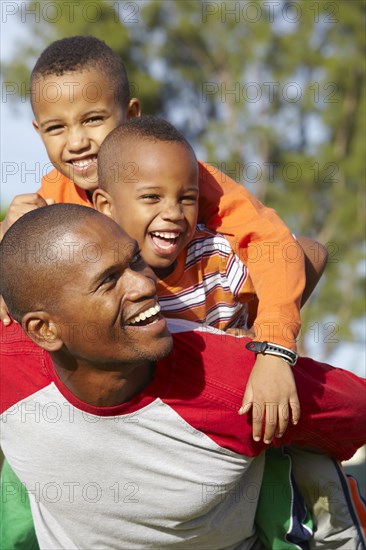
<point>4,314</point>
<point>21,204</point>
<point>271,392</point>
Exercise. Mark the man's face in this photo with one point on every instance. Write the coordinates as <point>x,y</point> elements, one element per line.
<point>73,115</point>
<point>155,199</point>
<point>107,309</point>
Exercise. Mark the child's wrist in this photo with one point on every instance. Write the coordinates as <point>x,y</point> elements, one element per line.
<point>267,348</point>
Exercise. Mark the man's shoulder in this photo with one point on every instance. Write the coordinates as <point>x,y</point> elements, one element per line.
<point>14,341</point>
<point>23,366</point>
<point>211,370</point>
<point>214,354</point>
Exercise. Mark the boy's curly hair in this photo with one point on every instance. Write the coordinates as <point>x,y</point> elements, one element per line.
<point>78,53</point>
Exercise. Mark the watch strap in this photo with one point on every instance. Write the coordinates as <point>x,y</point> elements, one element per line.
<point>267,348</point>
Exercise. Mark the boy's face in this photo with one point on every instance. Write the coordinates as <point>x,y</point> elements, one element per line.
<point>155,199</point>
<point>73,114</point>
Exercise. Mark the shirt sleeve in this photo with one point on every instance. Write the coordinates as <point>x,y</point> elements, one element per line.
<point>265,245</point>
<point>58,187</point>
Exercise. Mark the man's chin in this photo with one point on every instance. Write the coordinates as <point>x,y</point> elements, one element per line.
<point>158,351</point>
<point>163,349</point>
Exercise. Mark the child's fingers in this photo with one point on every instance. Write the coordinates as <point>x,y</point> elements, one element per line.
<point>257,422</point>
<point>271,422</point>
<point>283,418</point>
<point>295,409</point>
<point>6,319</point>
<point>4,315</point>
<point>247,401</point>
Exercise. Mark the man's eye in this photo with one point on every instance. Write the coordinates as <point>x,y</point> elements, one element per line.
<point>109,281</point>
<point>136,259</point>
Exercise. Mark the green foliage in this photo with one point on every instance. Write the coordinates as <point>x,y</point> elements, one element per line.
<point>276,97</point>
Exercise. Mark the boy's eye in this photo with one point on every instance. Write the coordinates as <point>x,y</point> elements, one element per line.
<point>94,119</point>
<point>150,198</point>
<point>189,199</point>
<point>53,129</point>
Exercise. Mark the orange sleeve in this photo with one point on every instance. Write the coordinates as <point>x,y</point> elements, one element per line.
<point>57,186</point>
<point>263,242</point>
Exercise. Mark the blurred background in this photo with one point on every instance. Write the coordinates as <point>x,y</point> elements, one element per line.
<point>270,92</point>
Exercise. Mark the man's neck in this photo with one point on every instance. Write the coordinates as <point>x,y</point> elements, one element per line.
<point>103,387</point>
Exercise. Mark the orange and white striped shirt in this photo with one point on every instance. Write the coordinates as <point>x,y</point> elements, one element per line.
<point>209,285</point>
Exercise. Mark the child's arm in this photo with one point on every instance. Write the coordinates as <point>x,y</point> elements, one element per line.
<point>276,264</point>
<point>20,205</point>
<point>263,242</point>
<point>271,380</point>
<point>316,256</point>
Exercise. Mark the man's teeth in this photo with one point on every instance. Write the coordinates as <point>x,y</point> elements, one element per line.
<point>145,314</point>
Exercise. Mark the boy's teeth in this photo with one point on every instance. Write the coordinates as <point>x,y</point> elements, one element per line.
<point>145,314</point>
<point>165,234</point>
<point>84,162</point>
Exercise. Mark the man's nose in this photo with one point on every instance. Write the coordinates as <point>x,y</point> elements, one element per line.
<point>139,285</point>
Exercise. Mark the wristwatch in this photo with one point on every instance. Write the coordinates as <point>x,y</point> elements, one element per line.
<point>266,348</point>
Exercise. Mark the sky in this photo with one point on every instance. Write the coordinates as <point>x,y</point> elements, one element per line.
<point>23,157</point>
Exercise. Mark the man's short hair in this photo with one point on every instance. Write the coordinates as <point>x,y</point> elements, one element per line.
<point>140,129</point>
<point>79,53</point>
<point>31,245</point>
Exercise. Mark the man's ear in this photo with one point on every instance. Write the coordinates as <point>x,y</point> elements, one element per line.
<point>133,108</point>
<point>103,202</point>
<point>42,330</point>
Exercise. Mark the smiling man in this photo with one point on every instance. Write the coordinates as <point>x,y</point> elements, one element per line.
<point>126,436</point>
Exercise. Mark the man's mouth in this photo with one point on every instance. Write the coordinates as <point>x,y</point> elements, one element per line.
<point>165,240</point>
<point>147,317</point>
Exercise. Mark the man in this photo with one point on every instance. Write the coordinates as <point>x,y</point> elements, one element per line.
<point>125,436</point>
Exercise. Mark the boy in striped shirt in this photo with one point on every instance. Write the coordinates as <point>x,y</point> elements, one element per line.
<point>201,279</point>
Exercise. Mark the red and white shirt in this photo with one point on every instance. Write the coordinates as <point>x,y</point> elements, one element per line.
<point>175,466</point>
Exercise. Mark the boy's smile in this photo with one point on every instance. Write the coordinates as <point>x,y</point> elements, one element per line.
<point>157,201</point>
<point>73,114</point>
